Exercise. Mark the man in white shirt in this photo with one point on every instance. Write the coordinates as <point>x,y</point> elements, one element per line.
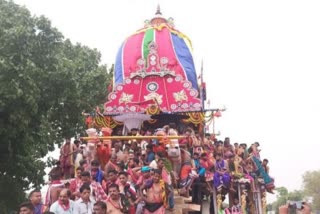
<point>84,205</point>
<point>63,205</point>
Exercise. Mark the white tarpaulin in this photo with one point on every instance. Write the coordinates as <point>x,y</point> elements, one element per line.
<point>132,120</point>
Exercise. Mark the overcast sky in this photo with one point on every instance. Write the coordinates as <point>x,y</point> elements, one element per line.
<point>261,60</point>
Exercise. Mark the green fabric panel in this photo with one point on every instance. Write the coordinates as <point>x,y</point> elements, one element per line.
<point>148,37</point>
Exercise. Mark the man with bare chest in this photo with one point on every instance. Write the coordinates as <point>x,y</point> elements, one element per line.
<point>55,186</point>
<point>156,194</point>
<point>114,203</point>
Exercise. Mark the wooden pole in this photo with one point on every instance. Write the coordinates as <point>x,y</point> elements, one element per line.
<point>131,137</point>
<point>214,201</point>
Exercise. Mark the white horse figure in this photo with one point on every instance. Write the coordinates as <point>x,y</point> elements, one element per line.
<point>90,150</point>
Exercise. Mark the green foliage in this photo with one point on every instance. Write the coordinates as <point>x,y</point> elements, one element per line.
<point>45,84</point>
<point>311,184</point>
<point>284,196</point>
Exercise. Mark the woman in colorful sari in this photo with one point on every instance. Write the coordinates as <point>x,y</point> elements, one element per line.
<point>221,176</point>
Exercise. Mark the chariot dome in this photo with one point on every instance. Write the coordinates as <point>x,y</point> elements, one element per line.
<point>154,68</point>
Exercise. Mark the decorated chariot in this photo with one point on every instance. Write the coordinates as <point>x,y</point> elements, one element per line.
<point>155,83</point>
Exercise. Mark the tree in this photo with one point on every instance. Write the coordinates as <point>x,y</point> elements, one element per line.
<point>45,84</point>
<point>311,187</point>
<point>284,196</point>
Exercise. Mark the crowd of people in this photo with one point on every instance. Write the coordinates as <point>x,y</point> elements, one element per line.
<point>140,176</point>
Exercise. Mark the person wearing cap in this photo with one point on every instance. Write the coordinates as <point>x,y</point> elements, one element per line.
<point>145,175</point>
<point>145,169</point>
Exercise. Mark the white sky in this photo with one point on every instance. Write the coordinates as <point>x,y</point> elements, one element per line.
<point>261,60</point>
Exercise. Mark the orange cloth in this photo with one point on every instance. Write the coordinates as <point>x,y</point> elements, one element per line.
<point>185,171</point>
<point>103,154</point>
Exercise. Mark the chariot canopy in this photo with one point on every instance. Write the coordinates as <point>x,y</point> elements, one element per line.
<point>154,69</point>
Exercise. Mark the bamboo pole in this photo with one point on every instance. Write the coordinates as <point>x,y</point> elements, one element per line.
<point>131,137</point>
